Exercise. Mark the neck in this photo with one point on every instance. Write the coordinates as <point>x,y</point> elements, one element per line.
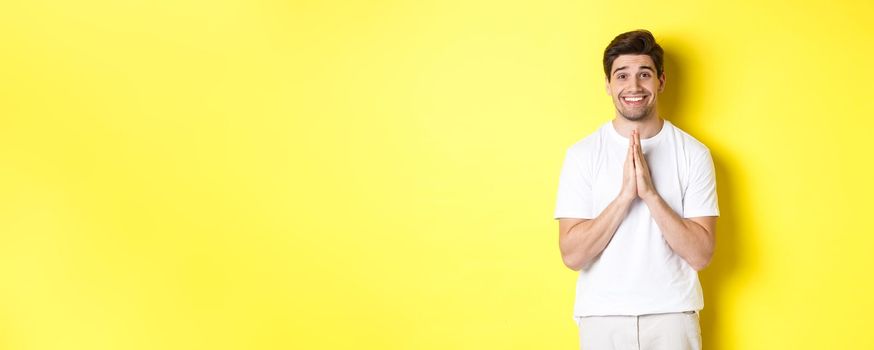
<point>648,127</point>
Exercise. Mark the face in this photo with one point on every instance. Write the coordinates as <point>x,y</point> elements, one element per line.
<point>634,86</point>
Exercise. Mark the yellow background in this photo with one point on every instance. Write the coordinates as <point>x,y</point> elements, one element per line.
<point>382,174</point>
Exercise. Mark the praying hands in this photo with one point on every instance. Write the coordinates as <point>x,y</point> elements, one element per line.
<point>637,179</point>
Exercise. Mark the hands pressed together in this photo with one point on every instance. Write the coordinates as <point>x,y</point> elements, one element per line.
<point>636,177</point>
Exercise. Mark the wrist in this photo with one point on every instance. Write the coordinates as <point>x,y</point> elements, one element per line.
<point>626,199</point>
<point>651,198</point>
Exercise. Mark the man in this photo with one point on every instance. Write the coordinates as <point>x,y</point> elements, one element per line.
<point>637,212</point>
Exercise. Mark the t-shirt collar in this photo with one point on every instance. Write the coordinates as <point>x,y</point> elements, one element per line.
<point>643,142</point>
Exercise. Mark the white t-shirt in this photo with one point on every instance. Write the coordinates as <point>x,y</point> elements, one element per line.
<point>637,273</point>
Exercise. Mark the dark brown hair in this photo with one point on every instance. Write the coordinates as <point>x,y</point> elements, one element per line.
<point>638,42</point>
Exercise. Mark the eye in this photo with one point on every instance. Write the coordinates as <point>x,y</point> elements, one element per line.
<point>645,75</point>
<point>620,76</point>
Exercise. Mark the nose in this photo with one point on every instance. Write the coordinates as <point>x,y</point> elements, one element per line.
<point>635,85</point>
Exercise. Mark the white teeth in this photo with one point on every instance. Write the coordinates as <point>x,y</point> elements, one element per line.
<point>633,99</point>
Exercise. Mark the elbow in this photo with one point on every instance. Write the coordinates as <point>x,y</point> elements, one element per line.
<point>701,262</point>
<point>572,262</point>
<point>580,261</point>
<point>698,266</point>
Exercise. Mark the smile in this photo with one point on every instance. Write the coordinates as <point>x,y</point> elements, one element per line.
<point>634,100</point>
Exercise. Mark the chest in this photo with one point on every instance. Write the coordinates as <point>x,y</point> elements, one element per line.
<point>668,171</point>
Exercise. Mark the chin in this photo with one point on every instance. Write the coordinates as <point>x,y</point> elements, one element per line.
<point>634,118</point>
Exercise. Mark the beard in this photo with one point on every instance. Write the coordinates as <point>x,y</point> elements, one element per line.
<point>635,115</point>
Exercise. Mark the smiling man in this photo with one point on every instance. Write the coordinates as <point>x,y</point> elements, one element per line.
<point>637,210</point>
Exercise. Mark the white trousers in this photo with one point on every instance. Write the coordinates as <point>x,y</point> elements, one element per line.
<point>671,331</point>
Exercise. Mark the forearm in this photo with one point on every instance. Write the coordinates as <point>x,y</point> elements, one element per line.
<point>586,240</point>
<point>687,238</point>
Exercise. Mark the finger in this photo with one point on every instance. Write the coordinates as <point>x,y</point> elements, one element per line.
<point>638,167</point>
<point>637,147</point>
<point>629,161</point>
<point>637,150</point>
<point>642,157</point>
<point>641,160</point>
<point>644,163</point>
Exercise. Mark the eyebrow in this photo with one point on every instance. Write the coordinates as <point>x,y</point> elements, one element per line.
<point>624,67</point>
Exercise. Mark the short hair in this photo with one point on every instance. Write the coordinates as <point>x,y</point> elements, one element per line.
<point>637,42</point>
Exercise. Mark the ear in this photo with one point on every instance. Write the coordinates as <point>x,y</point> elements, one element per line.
<point>662,83</point>
<point>607,86</point>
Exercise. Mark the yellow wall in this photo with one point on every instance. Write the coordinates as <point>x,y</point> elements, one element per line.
<point>382,174</point>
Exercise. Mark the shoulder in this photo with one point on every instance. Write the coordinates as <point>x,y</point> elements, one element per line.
<point>689,144</point>
<point>588,145</point>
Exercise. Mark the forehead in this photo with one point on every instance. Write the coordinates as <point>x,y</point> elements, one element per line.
<point>633,62</point>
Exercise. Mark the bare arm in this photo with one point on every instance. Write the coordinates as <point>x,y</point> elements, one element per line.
<point>693,239</point>
<point>582,240</point>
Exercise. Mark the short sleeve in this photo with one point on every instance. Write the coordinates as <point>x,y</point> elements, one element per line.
<point>700,196</point>
<point>574,198</point>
